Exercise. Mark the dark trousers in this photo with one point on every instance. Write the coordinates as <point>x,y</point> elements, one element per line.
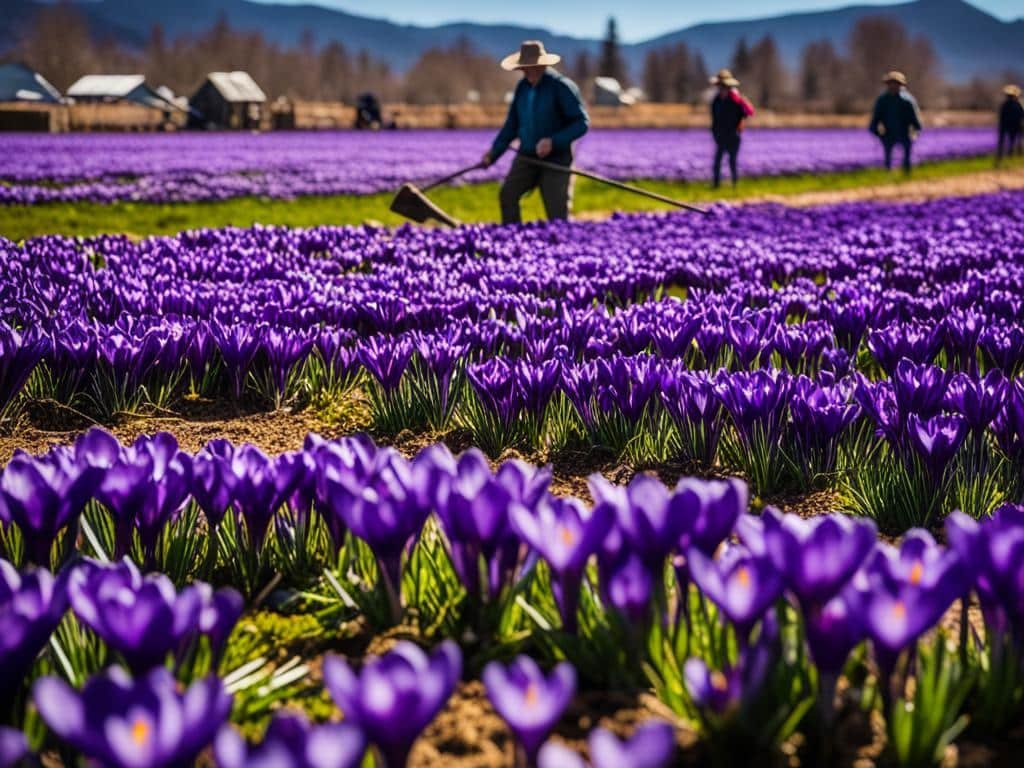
<point>555,191</point>
<point>1012,142</point>
<point>888,147</point>
<point>726,145</point>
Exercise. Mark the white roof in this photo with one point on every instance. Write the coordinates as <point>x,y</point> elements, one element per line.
<point>236,86</point>
<point>19,83</point>
<point>106,85</point>
<point>608,84</point>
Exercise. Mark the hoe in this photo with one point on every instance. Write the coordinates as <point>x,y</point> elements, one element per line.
<point>412,203</point>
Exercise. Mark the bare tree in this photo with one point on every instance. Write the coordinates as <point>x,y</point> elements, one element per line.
<point>58,44</point>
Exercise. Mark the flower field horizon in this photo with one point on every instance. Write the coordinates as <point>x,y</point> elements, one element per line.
<point>197,167</point>
<point>454,607</point>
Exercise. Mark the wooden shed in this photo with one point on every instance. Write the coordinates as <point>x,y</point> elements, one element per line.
<point>227,100</point>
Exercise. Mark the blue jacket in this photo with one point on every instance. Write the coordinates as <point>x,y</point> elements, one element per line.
<point>558,114</point>
<point>898,113</point>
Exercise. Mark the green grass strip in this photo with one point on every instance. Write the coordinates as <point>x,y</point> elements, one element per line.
<point>472,203</point>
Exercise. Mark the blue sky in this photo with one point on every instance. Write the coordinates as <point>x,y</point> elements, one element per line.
<point>638,19</point>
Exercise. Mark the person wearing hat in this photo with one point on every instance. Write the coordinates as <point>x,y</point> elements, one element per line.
<point>1011,123</point>
<point>728,111</point>
<point>896,118</point>
<point>546,115</point>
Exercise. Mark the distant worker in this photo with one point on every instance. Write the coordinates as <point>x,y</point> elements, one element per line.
<point>728,111</point>
<point>896,119</point>
<point>1011,124</point>
<point>546,115</point>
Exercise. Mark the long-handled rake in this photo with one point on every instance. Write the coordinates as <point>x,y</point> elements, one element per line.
<point>413,204</point>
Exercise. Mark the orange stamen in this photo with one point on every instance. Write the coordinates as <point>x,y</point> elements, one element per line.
<point>531,695</point>
<point>140,731</point>
<point>916,573</point>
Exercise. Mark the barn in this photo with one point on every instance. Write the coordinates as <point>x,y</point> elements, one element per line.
<point>227,100</point>
<point>111,89</point>
<point>19,82</point>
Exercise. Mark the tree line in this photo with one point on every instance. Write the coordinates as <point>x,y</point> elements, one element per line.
<point>59,43</point>
<point>827,79</point>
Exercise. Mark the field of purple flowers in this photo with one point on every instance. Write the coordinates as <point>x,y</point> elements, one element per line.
<point>870,351</point>
<point>202,167</point>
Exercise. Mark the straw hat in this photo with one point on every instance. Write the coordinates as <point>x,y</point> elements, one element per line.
<point>724,77</point>
<point>895,77</point>
<point>1012,91</point>
<point>531,54</point>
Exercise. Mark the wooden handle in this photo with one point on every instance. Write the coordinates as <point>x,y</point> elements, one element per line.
<point>612,183</point>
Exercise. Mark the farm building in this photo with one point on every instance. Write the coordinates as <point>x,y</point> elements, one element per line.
<point>110,89</point>
<point>609,93</point>
<point>227,100</point>
<point>19,82</point>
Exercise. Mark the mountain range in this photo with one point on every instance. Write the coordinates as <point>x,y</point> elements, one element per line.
<point>969,41</point>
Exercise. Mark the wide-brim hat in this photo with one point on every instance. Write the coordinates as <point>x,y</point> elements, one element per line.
<point>1012,90</point>
<point>531,54</point>
<point>724,77</point>
<point>894,77</point>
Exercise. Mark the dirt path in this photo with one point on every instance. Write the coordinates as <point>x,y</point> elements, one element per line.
<point>984,182</point>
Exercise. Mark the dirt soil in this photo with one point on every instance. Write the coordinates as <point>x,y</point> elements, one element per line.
<point>963,185</point>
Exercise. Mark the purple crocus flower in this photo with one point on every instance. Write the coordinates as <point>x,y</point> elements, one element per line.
<point>978,400</point>
<point>13,747</point>
<point>993,553</point>
<point>905,591</point>
<point>565,534</point>
<point>816,557</point>
<point>473,506</point>
<point>743,585</point>
<point>145,723</point>
<point>20,353</point>
<point>937,440</point>
<point>386,511</point>
<point>213,481</point>
<point>44,495</point>
<point>710,689</point>
<point>834,629</point>
<point>256,491</point>
<point>283,349</point>
<point>238,344</point>
<point>386,358</point>
<point>530,702</point>
<point>919,389</point>
<point>144,618</point>
<point>711,507</point>
<point>144,489</point>
<point>31,606</point>
<point>395,696</point>
<point>651,746</point>
<point>643,513</point>
<point>291,742</point>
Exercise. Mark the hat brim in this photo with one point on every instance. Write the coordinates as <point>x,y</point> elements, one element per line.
<point>898,80</point>
<point>731,82</point>
<point>512,62</point>
<point>1012,91</point>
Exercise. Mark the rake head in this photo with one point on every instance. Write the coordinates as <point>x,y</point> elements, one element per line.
<point>412,204</point>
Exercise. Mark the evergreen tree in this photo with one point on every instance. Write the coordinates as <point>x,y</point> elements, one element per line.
<point>612,63</point>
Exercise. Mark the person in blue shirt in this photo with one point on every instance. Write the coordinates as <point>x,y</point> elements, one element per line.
<point>896,118</point>
<point>546,115</point>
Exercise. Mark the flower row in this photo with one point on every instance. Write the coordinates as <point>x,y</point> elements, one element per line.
<point>192,167</point>
<point>721,610</point>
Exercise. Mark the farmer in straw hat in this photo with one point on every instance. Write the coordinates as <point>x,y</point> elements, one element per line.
<point>1011,123</point>
<point>546,115</point>
<point>896,119</point>
<point>728,111</point>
